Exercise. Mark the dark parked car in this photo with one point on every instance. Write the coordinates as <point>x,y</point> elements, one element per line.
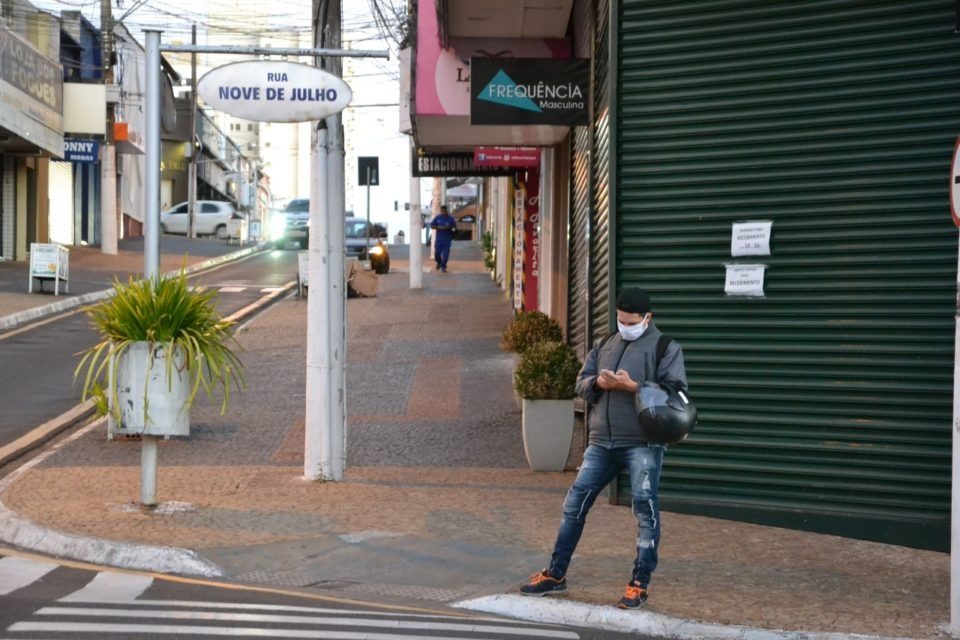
<point>293,225</point>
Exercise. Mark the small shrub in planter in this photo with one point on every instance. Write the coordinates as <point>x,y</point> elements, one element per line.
<point>177,321</point>
<point>529,328</point>
<point>489,259</point>
<point>547,371</point>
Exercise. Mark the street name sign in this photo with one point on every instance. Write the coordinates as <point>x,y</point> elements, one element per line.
<point>274,91</point>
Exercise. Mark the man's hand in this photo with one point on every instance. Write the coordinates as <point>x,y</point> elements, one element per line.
<point>619,381</point>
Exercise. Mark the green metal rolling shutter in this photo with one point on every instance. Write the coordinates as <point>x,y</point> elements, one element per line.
<point>579,242</point>
<point>579,245</point>
<point>827,404</point>
<point>600,236</point>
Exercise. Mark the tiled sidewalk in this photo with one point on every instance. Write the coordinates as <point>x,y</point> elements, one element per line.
<point>438,502</point>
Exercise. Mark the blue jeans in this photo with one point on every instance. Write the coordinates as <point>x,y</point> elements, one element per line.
<point>442,252</point>
<point>600,466</point>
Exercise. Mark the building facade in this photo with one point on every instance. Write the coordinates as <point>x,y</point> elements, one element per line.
<point>825,388</point>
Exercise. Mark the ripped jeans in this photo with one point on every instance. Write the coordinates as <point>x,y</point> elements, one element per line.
<point>600,466</point>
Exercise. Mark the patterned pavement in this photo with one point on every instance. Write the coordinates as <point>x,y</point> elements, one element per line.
<point>438,503</point>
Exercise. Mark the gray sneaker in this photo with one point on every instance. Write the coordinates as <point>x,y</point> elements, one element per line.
<point>542,584</point>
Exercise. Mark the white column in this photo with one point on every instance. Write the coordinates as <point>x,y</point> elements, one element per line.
<point>416,236</point>
<point>108,199</point>
<point>318,441</point>
<point>337,242</point>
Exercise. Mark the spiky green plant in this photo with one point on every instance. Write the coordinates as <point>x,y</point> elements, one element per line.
<point>164,311</point>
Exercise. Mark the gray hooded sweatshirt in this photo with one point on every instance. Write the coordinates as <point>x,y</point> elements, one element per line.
<point>613,416</point>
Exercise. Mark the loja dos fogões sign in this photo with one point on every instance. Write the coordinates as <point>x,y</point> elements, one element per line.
<point>274,91</point>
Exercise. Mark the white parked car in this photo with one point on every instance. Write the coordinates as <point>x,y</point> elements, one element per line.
<point>211,218</point>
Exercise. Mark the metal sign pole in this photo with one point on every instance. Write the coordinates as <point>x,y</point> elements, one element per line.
<point>323,456</point>
<point>368,219</point>
<point>151,232</point>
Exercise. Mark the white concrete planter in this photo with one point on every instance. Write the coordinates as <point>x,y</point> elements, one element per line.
<point>547,433</point>
<point>150,404</point>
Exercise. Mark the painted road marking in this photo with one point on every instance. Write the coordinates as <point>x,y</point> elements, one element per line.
<point>111,587</point>
<point>16,573</point>
<point>332,621</point>
<point>232,289</point>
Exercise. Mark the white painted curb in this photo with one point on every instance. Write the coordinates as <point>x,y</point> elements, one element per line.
<point>28,315</point>
<point>580,614</point>
<point>18,531</point>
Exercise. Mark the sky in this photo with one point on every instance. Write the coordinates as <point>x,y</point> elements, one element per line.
<point>373,81</point>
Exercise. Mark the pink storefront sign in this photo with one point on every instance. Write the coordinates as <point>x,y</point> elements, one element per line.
<point>443,75</point>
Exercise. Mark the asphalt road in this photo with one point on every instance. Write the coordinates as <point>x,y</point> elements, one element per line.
<point>40,598</point>
<point>37,362</point>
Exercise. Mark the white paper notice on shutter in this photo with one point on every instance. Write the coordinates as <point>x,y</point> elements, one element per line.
<point>745,280</point>
<point>751,238</point>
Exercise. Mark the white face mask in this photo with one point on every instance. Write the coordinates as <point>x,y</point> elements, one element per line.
<point>632,332</point>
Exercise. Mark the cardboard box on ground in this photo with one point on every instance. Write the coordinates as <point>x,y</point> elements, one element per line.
<point>360,282</point>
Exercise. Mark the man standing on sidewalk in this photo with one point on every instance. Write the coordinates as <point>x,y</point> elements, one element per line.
<point>609,380</point>
<point>445,226</point>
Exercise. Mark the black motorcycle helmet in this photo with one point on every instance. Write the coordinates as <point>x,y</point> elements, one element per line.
<point>666,412</point>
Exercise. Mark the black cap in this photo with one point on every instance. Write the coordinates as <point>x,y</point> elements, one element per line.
<point>633,300</point>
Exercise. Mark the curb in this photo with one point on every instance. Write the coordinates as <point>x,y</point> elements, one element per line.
<point>20,532</point>
<point>22,317</point>
<point>45,432</point>
<point>647,623</point>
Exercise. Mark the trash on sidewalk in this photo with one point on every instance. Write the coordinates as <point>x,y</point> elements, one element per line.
<point>360,282</point>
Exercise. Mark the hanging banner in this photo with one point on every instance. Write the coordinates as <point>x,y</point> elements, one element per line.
<point>534,91</point>
<point>274,91</point>
<point>526,237</point>
<point>519,242</point>
<point>531,224</point>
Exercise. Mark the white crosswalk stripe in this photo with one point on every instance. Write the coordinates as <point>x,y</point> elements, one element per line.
<point>330,621</point>
<point>148,629</point>
<point>232,289</point>
<point>111,587</point>
<point>16,573</point>
<point>113,604</point>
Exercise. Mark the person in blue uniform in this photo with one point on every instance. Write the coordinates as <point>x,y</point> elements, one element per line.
<point>444,225</point>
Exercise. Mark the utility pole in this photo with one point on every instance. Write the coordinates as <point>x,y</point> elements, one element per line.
<point>336,234</point>
<point>194,149</point>
<point>324,442</point>
<point>108,157</point>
